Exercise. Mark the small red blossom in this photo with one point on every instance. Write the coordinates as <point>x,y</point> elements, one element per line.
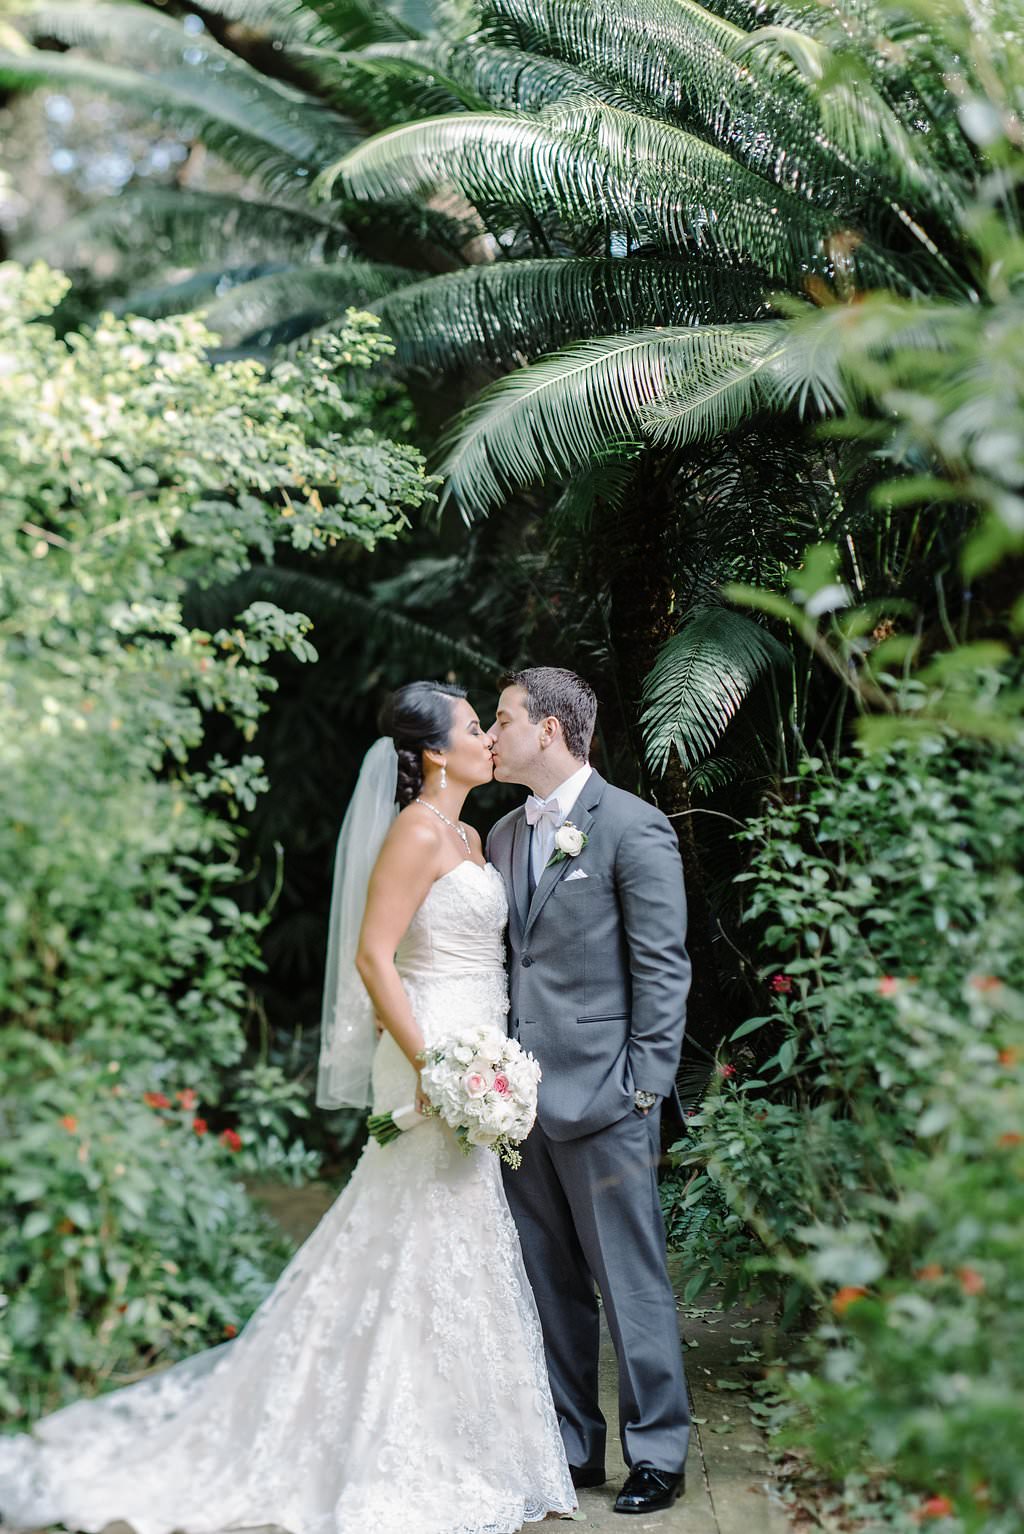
<point>200,1126</point>
<point>187,1098</point>
<point>971,1281</point>
<point>888,985</point>
<point>847,1296</point>
<point>1010,1138</point>
<point>930,1273</point>
<point>155,1100</point>
<point>782,984</point>
<point>726,1070</point>
<point>70,1123</point>
<point>232,1139</point>
<point>986,982</point>
<point>1009,1056</point>
<point>691,1111</point>
<point>231,1330</point>
<point>934,1507</point>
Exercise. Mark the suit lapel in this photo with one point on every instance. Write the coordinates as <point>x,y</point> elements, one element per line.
<point>521,867</point>
<point>582,817</point>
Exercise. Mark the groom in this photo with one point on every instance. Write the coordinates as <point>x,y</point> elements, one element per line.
<point>598,983</point>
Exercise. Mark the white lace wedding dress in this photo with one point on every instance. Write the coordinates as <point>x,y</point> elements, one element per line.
<point>393,1382</point>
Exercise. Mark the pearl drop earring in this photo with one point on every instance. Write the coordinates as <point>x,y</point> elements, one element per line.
<point>444,776</point>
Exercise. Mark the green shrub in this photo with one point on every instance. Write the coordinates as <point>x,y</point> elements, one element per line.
<point>873,1162</point>
<point>131,467</point>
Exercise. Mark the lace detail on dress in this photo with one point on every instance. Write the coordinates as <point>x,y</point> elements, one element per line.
<point>394,1379</point>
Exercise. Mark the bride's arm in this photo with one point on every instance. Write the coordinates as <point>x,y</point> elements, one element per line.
<point>402,876</point>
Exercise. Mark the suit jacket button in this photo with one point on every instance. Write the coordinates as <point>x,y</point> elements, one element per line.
<point>526,961</point>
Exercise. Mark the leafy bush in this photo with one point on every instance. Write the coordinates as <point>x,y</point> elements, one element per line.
<point>131,467</point>
<point>872,1163</point>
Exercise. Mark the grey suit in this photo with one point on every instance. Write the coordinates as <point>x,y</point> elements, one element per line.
<point>598,979</point>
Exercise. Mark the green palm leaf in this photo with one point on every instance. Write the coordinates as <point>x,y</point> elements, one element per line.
<point>185,226</point>
<point>677,56</point>
<point>593,164</point>
<point>315,293</point>
<point>557,413</point>
<point>507,79</point>
<point>256,124</point>
<point>700,681</point>
<point>503,313</point>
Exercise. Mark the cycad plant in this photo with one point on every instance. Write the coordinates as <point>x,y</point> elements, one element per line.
<point>651,219</point>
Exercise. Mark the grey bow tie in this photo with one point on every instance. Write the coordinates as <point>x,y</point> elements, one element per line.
<point>538,810</point>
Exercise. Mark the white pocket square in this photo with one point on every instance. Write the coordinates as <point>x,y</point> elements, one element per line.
<point>577,873</point>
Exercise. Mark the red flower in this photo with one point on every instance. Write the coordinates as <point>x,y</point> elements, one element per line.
<point>847,1296</point>
<point>232,1139</point>
<point>70,1123</point>
<point>231,1330</point>
<point>187,1098</point>
<point>971,1281</point>
<point>726,1070</point>
<point>888,985</point>
<point>929,1273</point>
<point>200,1126</point>
<point>155,1100</point>
<point>1009,1056</point>
<point>986,982</point>
<point>782,984</point>
<point>1011,1137</point>
<point>935,1507</point>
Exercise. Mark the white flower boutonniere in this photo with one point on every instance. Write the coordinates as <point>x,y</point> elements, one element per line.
<point>569,843</point>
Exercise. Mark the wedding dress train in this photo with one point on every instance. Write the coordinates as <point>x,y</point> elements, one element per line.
<point>393,1382</point>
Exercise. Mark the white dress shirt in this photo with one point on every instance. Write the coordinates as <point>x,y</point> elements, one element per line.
<point>542,841</point>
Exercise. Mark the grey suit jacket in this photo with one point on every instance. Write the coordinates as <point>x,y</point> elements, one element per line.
<point>598,969</point>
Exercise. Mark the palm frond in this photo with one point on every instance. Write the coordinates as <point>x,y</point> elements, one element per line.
<point>593,164</point>
<point>506,312</point>
<point>700,681</point>
<point>731,374</point>
<point>677,56</point>
<point>190,292</point>
<point>255,123</point>
<point>554,415</point>
<point>312,295</point>
<point>338,602</point>
<point>507,79</point>
<point>400,82</point>
<point>186,227</point>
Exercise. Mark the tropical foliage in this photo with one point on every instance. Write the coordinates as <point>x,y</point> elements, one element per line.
<point>128,469</point>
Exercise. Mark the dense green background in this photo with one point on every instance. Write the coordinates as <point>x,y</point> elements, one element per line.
<point>709,320</point>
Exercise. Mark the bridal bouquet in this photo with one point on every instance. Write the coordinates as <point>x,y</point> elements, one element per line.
<point>484,1086</point>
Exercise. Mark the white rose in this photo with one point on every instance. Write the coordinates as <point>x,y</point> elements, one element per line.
<point>569,840</point>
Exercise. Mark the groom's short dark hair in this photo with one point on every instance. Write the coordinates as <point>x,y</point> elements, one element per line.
<point>554,693</point>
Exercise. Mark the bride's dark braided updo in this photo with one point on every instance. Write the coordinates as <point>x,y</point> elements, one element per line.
<point>418,717</point>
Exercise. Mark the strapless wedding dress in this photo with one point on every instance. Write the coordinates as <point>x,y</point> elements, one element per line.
<point>393,1382</point>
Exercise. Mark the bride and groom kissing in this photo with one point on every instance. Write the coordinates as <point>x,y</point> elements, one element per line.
<point>428,1361</point>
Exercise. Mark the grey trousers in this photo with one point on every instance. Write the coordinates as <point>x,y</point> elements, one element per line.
<point>587,1210</point>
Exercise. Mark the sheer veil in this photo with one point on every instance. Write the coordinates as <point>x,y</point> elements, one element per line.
<point>347,1032</point>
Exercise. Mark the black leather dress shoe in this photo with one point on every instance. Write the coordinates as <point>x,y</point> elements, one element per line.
<point>648,1490</point>
<point>587,1475</point>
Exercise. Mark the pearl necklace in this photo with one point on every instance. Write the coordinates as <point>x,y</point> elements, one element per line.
<point>457,829</point>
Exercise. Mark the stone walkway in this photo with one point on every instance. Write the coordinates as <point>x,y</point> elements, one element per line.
<point>727,1474</point>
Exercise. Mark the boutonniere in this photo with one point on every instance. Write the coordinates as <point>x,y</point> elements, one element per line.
<point>569,843</point>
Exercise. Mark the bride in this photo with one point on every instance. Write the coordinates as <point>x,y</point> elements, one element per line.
<point>393,1380</point>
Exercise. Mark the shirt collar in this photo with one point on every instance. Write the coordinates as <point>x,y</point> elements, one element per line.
<point>568,792</point>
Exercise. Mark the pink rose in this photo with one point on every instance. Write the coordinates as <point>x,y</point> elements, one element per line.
<point>475,1083</point>
<point>501,1086</point>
